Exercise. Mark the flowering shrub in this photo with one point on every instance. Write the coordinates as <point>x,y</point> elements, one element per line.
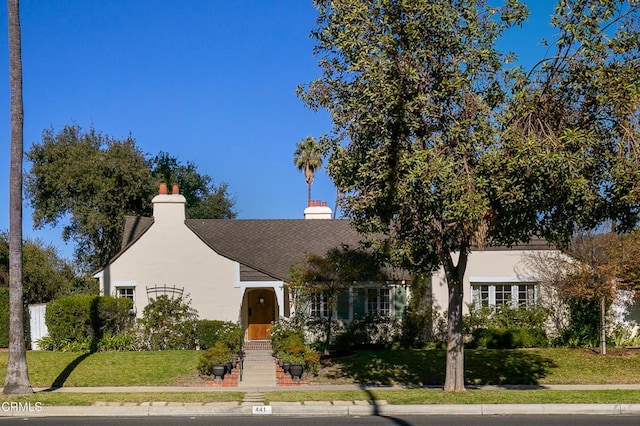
<point>167,323</point>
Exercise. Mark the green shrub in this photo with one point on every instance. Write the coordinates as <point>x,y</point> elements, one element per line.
<point>584,324</point>
<point>83,319</point>
<point>4,317</point>
<point>114,315</point>
<point>219,354</point>
<point>369,331</point>
<point>501,338</point>
<point>208,332</point>
<point>289,344</point>
<point>232,335</point>
<point>168,324</point>
<point>281,330</point>
<point>70,318</point>
<point>117,342</point>
<point>505,327</point>
<point>47,343</point>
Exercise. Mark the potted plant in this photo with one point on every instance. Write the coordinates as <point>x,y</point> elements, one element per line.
<point>297,367</point>
<point>213,361</point>
<point>287,359</point>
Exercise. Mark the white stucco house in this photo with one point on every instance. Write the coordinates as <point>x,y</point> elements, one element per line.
<point>237,270</point>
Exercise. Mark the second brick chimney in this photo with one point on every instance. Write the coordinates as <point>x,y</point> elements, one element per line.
<point>317,210</point>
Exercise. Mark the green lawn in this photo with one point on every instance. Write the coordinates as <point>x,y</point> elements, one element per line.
<point>408,367</point>
<point>56,369</point>
<point>396,397</point>
<point>437,396</point>
<point>413,367</point>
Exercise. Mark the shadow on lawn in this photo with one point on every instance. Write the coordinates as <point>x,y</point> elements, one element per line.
<point>58,382</point>
<point>410,367</point>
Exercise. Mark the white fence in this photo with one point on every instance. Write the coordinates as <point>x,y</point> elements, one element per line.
<point>37,324</point>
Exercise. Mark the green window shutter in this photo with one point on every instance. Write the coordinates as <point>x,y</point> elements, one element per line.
<point>400,300</point>
<point>343,305</point>
<point>359,302</point>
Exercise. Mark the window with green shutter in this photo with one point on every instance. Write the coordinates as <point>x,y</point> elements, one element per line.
<point>359,302</point>
<point>400,300</point>
<point>343,305</point>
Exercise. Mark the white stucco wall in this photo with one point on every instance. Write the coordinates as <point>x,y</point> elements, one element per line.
<point>170,254</point>
<point>496,266</point>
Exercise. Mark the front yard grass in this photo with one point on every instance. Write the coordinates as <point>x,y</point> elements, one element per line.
<point>159,368</point>
<point>413,367</point>
<point>437,396</point>
<point>76,399</point>
<point>406,367</point>
<point>396,397</point>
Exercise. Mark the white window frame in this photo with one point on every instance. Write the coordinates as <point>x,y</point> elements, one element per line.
<point>120,292</point>
<point>492,290</point>
<point>126,285</point>
<point>319,306</point>
<point>380,306</point>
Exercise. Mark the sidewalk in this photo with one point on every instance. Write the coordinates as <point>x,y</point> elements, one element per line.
<point>313,408</point>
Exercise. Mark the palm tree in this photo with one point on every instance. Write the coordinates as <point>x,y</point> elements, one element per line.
<point>17,378</point>
<point>308,158</point>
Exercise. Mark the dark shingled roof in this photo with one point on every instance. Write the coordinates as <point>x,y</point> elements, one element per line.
<point>134,227</point>
<point>272,246</point>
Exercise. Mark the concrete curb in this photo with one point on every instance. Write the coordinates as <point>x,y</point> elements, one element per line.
<point>324,410</point>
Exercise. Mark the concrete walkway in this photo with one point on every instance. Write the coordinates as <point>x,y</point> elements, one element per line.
<point>259,370</point>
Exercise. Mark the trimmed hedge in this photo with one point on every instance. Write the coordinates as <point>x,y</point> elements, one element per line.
<point>85,318</point>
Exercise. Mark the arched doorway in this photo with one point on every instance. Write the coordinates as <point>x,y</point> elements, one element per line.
<point>261,313</point>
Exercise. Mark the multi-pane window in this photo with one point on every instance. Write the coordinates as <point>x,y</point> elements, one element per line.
<point>318,306</point>
<point>481,296</point>
<point>521,295</point>
<point>125,292</point>
<point>503,295</point>
<point>379,301</point>
<point>526,295</point>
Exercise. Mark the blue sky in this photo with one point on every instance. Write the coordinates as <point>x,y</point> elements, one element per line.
<point>208,81</point>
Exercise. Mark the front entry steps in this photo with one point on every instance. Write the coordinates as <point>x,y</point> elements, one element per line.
<point>258,365</point>
<point>252,345</point>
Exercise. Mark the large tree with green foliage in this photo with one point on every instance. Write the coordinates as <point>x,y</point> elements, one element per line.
<point>205,200</point>
<point>432,142</point>
<point>17,378</point>
<point>46,275</point>
<point>90,181</point>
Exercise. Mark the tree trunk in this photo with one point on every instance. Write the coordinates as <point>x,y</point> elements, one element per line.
<point>327,341</point>
<point>454,372</point>
<point>308,193</point>
<point>603,331</point>
<point>17,378</point>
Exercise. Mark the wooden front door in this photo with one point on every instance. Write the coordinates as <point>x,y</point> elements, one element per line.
<point>261,305</point>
